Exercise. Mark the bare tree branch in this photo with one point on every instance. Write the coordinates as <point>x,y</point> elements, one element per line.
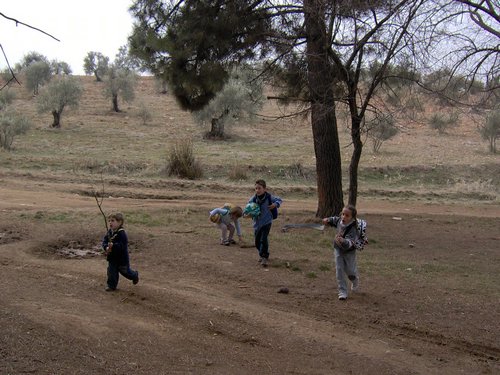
<point>31,27</point>
<point>14,78</point>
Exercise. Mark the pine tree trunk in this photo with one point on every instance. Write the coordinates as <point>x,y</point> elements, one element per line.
<point>323,118</point>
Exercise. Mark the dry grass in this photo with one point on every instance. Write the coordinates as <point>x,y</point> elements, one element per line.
<point>94,139</point>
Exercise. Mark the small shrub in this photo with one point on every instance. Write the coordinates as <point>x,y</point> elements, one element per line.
<point>11,125</point>
<point>182,163</point>
<point>295,171</point>
<point>238,173</point>
<point>6,97</point>
<point>490,131</point>
<point>382,128</point>
<point>312,275</point>
<point>144,114</point>
<point>441,122</point>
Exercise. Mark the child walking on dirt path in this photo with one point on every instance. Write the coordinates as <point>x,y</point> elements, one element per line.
<point>263,221</point>
<point>115,245</point>
<point>227,220</point>
<point>344,249</point>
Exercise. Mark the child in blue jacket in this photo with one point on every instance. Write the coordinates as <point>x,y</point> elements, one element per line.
<point>115,245</point>
<point>262,223</point>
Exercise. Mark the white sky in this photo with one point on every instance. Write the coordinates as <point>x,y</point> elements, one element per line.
<point>81,26</point>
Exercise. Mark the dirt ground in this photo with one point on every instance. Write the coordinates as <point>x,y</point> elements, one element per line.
<point>429,302</point>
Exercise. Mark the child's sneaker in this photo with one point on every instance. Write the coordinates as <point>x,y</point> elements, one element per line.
<point>136,280</point>
<point>264,262</point>
<point>109,289</point>
<point>232,242</point>
<point>225,243</point>
<point>342,296</point>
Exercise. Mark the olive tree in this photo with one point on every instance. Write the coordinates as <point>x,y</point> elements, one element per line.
<point>37,74</point>
<point>12,124</point>
<point>97,64</point>
<point>57,95</point>
<point>241,97</point>
<point>119,83</point>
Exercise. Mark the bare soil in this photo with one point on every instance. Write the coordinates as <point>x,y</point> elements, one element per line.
<point>429,302</point>
<point>430,276</point>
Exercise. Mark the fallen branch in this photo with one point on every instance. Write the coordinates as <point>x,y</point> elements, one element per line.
<point>287,227</point>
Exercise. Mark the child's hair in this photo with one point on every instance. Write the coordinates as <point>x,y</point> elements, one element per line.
<point>353,210</point>
<point>261,183</point>
<point>236,211</point>
<point>118,216</point>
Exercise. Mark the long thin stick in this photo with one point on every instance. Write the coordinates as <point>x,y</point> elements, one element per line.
<point>99,204</point>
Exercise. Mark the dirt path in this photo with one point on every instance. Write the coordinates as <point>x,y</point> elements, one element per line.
<point>201,308</point>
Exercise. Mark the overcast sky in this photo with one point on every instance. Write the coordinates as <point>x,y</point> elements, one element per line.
<point>81,26</point>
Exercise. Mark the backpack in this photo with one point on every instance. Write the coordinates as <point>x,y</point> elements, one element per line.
<point>362,239</point>
<point>274,211</point>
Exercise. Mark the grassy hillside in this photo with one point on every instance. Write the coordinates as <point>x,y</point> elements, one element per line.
<point>418,163</point>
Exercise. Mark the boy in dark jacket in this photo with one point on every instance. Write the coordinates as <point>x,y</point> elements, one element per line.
<point>115,245</point>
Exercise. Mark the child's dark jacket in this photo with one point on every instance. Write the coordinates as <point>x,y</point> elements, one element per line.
<point>119,252</point>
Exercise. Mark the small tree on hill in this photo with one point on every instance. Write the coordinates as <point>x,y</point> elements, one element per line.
<point>490,131</point>
<point>60,67</point>
<point>61,92</point>
<point>97,64</point>
<point>241,96</point>
<point>11,125</point>
<point>30,58</point>
<point>119,82</point>
<point>381,128</point>
<point>37,74</point>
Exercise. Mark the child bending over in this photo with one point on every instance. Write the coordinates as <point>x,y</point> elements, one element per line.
<point>227,220</point>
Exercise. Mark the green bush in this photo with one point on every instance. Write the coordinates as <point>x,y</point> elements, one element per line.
<point>441,122</point>
<point>381,128</point>
<point>182,163</point>
<point>490,131</point>
<point>11,125</point>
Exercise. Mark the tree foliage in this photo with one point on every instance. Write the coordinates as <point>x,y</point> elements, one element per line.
<point>60,92</point>
<point>241,97</point>
<point>97,64</point>
<point>12,124</point>
<point>37,73</point>
<point>119,83</point>
<point>195,55</point>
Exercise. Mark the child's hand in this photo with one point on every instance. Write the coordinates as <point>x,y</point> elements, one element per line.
<point>272,206</point>
<point>325,220</point>
<point>339,240</point>
<point>107,251</point>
